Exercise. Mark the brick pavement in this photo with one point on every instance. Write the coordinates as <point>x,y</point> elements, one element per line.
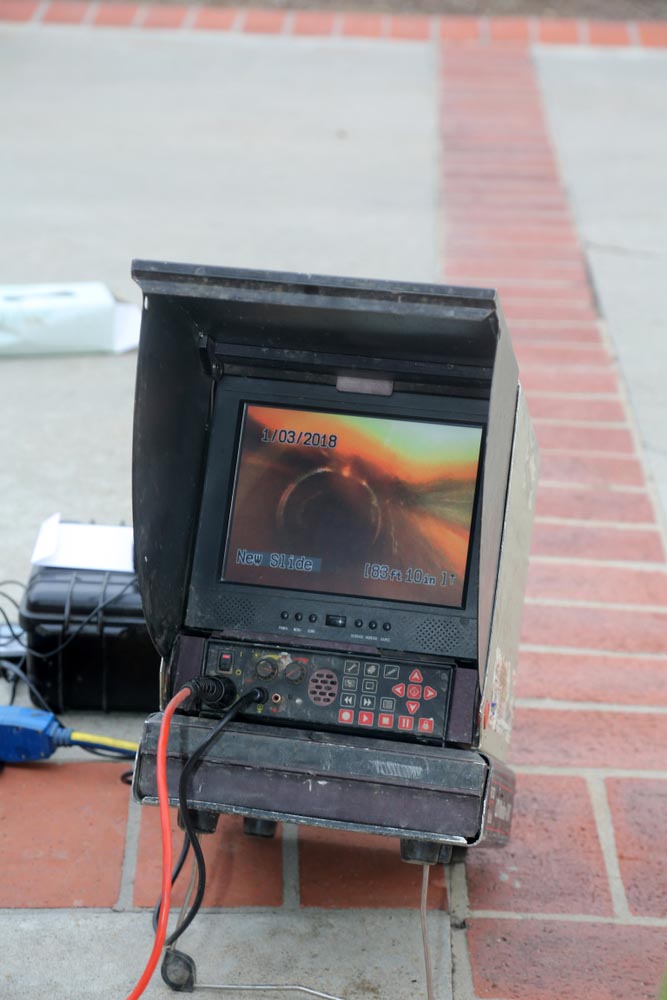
<point>576,906</point>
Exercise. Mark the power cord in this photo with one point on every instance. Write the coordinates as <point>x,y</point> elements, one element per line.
<point>214,691</point>
<point>178,867</point>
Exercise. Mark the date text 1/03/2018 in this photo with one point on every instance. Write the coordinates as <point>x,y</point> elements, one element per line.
<point>308,439</point>
<point>413,574</point>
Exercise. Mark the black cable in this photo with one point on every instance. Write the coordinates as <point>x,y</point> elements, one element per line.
<point>22,587</point>
<point>18,637</point>
<point>252,696</point>
<point>10,672</point>
<point>178,868</point>
<point>12,668</point>
<point>12,600</point>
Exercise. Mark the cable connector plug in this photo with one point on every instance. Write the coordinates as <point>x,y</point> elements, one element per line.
<point>28,734</point>
<point>178,971</point>
<point>32,734</point>
<point>213,692</point>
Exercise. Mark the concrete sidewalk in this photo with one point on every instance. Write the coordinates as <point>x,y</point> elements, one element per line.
<point>479,162</point>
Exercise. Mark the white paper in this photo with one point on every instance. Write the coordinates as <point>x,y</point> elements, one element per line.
<point>77,318</point>
<point>70,545</point>
<point>127,323</point>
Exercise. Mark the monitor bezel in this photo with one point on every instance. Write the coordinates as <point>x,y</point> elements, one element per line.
<point>208,591</point>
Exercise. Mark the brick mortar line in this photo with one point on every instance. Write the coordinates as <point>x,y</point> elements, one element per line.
<point>604,425</point>
<point>547,770</point>
<point>542,365</point>
<point>605,830</point>
<point>537,647</point>
<point>618,456</point>
<point>573,918</point>
<point>583,522</point>
<point>560,324</point>
<point>562,705</point>
<point>39,12</point>
<point>574,605</point>
<point>207,911</point>
<point>125,899</point>
<point>290,860</point>
<point>588,397</point>
<point>190,18</point>
<point>90,13</point>
<point>140,16</point>
<point>615,488</point>
<point>459,911</point>
<point>597,653</point>
<point>439,64</point>
<point>658,567</point>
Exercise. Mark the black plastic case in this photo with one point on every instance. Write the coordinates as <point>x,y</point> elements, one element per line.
<point>90,626</point>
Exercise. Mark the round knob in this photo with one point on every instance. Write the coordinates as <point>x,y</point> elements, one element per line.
<point>266,669</point>
<point>295,673</point>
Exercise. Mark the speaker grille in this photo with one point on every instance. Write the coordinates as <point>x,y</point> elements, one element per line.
<point>445,635</point>
<point>323,687</point>
<point>236,612</point>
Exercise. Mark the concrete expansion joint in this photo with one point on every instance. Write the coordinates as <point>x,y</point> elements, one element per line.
<point>459,910</point>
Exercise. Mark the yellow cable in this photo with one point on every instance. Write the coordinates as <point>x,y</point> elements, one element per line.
<point>106,741</point>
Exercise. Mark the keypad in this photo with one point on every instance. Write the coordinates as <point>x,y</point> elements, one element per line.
<point>399,699</point>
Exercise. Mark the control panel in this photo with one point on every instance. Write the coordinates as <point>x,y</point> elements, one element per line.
<point>388,697</point>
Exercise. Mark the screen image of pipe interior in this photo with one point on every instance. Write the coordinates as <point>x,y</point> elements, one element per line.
<point>348,504</point>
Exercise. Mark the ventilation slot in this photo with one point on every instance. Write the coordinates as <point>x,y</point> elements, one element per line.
<point>323,687</point>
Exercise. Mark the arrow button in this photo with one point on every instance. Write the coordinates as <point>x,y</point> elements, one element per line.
<point>399,690</point>
<point>429,693</point>
<point>412,706</point>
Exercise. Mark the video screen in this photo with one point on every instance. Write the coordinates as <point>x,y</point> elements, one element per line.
<point>352,505</point>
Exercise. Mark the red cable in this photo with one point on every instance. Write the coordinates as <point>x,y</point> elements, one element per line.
<point>165,826</point>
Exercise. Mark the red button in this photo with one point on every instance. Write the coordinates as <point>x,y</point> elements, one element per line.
<point>416,676</point>
<point>425,725</point>
<point>412,706</point>
<point>414,690</point>
<point>386,721</point>
<point>406,722</point>
<point>399,689</point>
<point>430,693</point>
<point>366,718</point>
<point>346,716</point>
